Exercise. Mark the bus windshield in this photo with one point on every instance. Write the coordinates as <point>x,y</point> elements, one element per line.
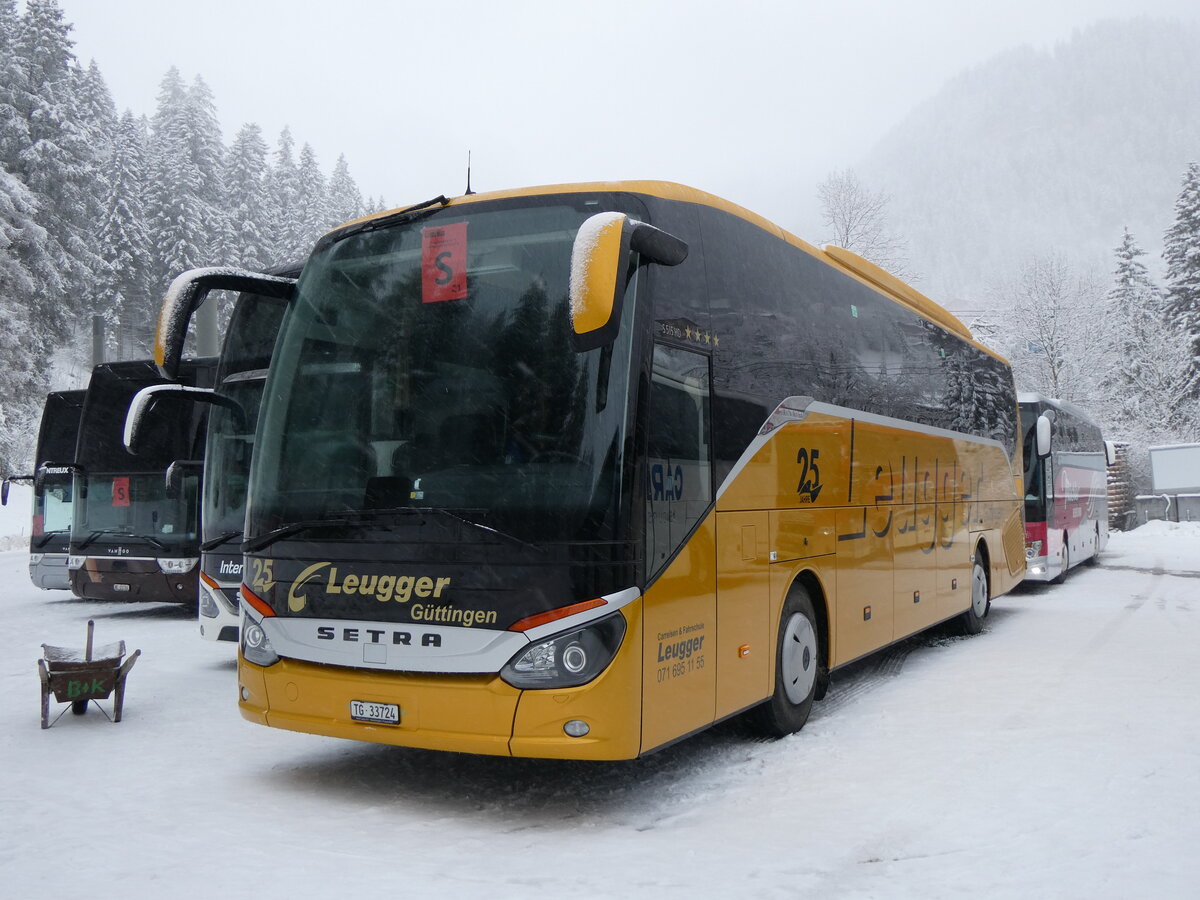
<point>52,505</point>
<point>227,455</point>
<point>127,506</point>
<point>428,366</point>
<point>1035,499</point>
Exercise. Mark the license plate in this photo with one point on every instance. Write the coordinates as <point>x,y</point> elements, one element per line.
<point>120,587</point>
<point>384,713</point>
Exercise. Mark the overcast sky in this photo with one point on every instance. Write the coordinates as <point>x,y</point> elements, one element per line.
<point>754,101</point>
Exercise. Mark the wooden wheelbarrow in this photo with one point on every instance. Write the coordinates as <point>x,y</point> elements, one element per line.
<point>79,677</point>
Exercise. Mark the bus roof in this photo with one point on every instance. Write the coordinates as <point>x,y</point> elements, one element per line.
<point>839,258</point>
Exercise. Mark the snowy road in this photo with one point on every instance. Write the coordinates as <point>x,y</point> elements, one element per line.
<point>1055,755</point>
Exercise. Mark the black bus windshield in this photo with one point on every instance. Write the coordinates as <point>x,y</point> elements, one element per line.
<point>119,496</point>
<point>428,365</point>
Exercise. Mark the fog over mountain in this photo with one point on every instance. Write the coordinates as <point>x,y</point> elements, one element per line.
<point>1044,151</point>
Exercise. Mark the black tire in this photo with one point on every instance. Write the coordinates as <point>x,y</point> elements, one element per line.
<point>972,619</point>
<point>1066,562</point>
<point>798,670</point>
<point>79,707</point>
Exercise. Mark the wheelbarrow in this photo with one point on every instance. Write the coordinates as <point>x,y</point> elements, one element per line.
<point>80,677</point>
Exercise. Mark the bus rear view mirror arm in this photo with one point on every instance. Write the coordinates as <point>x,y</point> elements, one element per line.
<point>600,270</point>
<point>143,401</point>
<point>188,292</point>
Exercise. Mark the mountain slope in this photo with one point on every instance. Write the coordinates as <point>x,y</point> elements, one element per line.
<point>1041,151</point>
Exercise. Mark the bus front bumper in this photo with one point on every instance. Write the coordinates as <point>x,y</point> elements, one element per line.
<point>457,712</point>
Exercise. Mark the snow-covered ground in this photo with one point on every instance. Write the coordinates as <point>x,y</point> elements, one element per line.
<point>1057,754</point>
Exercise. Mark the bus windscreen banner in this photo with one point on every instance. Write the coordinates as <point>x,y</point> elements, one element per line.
<point>444,263</point>
<point>120,495</point>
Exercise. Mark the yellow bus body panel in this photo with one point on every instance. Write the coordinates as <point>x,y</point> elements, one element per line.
<point>900,511</point>
<point>680,626</point>
<point>743,639</point>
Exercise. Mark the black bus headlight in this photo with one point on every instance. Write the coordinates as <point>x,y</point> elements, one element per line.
<point>569,659</point>
<point>256,647</point>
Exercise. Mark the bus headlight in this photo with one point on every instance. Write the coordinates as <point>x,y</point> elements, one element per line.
<point>36,558</point>
<point>75,562</point>
<point>569,659</point>
<point>1033,549</point>
<point>256,647</point>
<point>208,603</point>
<point>177,565</point>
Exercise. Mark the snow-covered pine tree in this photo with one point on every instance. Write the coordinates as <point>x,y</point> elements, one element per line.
<point>247,241</point>
<point>14,129</point>
<point>176,211</point>
<point>122,288</point>
<point>58,162</point>
<point>283,190</point>
<point>208,156</point>
<point>25,268</point>
<point>344,199</point>
<point>1181,250</point>
<point>312,207</point>
<point>98,112</point>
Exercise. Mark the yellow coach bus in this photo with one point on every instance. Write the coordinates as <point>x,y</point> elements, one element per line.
<point>578,471</point>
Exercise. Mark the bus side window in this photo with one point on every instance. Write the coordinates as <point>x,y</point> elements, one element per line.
<point>679,457</point>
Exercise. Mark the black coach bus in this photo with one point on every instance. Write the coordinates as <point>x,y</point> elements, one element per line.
<point>52,492</point>
<point>132,538</point>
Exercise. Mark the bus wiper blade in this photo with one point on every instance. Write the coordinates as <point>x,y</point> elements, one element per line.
<point>391,219</point>
<point>213,543</point>
<point>376,513</point>
<point>151,540</point>
<point>95,534</point>
<point>46,535</point>
<point>265,540</point>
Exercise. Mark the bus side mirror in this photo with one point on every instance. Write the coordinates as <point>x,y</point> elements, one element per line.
<point>9,479</point>
<point>1110,453</point>
<point>189,291</point>
<point>600,267</point>
<point>178,472</point>
<point>1043,436</point>
<point>143,401</point>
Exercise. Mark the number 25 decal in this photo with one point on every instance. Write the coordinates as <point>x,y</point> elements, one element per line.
<point>264,578</point>
<point>810,474</point>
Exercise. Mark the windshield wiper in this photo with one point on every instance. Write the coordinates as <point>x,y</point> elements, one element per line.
<point>376,513</point>
<point>265,540</point>
<point>213,543</point>
<point>95,534</point>
<point>391,219</point>
<point>153,540</point>
<point>46,535</point>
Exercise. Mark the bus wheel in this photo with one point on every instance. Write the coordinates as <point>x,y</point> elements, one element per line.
<point>797,664</point>
<point>1066,562</point>
<point>972,619</point>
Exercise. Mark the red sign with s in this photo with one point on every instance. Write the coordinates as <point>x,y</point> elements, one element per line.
<point>444,263</point>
